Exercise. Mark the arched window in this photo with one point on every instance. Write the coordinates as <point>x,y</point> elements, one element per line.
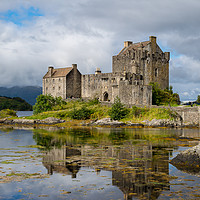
<point>156,72</point>
<point>105,96</point>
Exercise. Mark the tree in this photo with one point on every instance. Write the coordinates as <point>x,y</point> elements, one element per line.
<point>118,110</point>
<point>198,99</point>
<point>165,96</point>
<point>46,103</point>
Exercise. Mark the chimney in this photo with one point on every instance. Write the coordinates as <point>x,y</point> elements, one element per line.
<point>74,66</point>
<point>152,39</point>
<point>50,70</point>
<point>98,71</point>
<point>127,43</point>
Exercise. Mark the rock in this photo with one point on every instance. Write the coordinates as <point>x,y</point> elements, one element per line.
<point>135,124</point>
<point>162,123</point>
<point>188,160</point>
<point>50,120</point>
<point>108,121</point>
<point>23,121</point>
<point>2,120</point>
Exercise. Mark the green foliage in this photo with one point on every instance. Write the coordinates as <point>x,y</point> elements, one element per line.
<point>47,103</point>
<point>7,113</point>
<point>15,103</point>
<point>118,111</point>
<point>140,114</point>
<point>82,113</point>
<point>94,101</point>
<point>137,111</point>
<point>198,99</point>
<point>162,97</point>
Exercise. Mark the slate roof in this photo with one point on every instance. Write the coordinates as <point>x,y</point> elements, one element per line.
<point>60,72</point>
<point>134,46</point>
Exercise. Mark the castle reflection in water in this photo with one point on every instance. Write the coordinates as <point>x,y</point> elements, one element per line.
<point>139,169</point>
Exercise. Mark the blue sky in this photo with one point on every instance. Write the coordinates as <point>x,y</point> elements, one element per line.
<point>19,16</point>
<point>37,33</point>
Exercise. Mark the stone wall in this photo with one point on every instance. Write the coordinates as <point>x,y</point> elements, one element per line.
<point>190,115</point>
<point>73,84</point>
<point>107,86</point>
<point>64,86</point>
<point>145,59</point>
<point>55,86</point>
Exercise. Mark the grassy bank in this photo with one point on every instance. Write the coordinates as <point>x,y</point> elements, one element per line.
<point>77,110</point>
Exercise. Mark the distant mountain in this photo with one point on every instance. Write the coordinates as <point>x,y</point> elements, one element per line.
<point>28,93</point>
<point>15,103</point>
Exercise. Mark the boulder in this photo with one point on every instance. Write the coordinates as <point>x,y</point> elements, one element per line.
<point>23,121</point>
<point>188,160</point>
<point>162,123</point>
<point>50,120</point>
<point>108,121</point>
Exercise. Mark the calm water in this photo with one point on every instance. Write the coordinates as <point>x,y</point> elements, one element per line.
<point>24,113</point>
<point>95,164</point>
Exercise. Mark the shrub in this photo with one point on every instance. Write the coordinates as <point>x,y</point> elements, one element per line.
<point>118,111</point>
<point>94,101</point>
<point>82,113</point>
<point>7,113</point>
<point>165,96</point>
<point>47,103</point>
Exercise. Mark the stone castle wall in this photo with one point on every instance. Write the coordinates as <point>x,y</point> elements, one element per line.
<point>147,63</point>
<point>73,84</point>
<point>113,85</point>
<point>55,86</point>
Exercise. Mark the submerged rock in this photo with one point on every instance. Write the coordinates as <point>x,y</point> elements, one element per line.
<point>188,160</point>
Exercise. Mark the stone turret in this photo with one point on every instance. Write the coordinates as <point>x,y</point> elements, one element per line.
<point>152,39</point>
<point>98,71</point>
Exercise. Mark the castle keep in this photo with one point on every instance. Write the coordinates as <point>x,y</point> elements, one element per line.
<point>133,69</point>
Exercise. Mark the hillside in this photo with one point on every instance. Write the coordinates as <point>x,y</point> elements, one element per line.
<point>15,103</point>
<point>28,93</point>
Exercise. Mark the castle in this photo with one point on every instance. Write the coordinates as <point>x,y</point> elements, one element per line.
<point>133,69</point>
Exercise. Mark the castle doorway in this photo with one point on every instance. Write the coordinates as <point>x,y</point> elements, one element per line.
<point>105,96</point>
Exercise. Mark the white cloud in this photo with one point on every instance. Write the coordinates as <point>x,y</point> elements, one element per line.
<point>89,32</point>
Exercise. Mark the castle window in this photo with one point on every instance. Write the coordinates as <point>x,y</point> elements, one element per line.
<point>46,88</point>
<point>105,96</point>
<point>46,80</point>
<point>53,88</point>
<point>59,87</point>
<point>53,80</point>
<point>113,80</point>
<point>133,55</point>
<point>141,77</point>
<point>59,79</point>
<point>156,72</point>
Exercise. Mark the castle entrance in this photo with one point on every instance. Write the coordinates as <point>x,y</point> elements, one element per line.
<point>105,96</point>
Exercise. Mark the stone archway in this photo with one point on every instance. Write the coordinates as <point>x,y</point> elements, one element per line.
<point>105,96</point>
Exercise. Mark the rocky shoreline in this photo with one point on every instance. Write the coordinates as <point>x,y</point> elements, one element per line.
<point>155,123</point>
<point>23,121</point>
<point>188,160</point>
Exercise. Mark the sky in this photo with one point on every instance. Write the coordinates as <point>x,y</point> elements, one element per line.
<point>35,34</point>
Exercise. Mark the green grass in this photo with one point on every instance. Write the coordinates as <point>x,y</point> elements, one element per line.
<point>7,113</point>
<point>98,111</point>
